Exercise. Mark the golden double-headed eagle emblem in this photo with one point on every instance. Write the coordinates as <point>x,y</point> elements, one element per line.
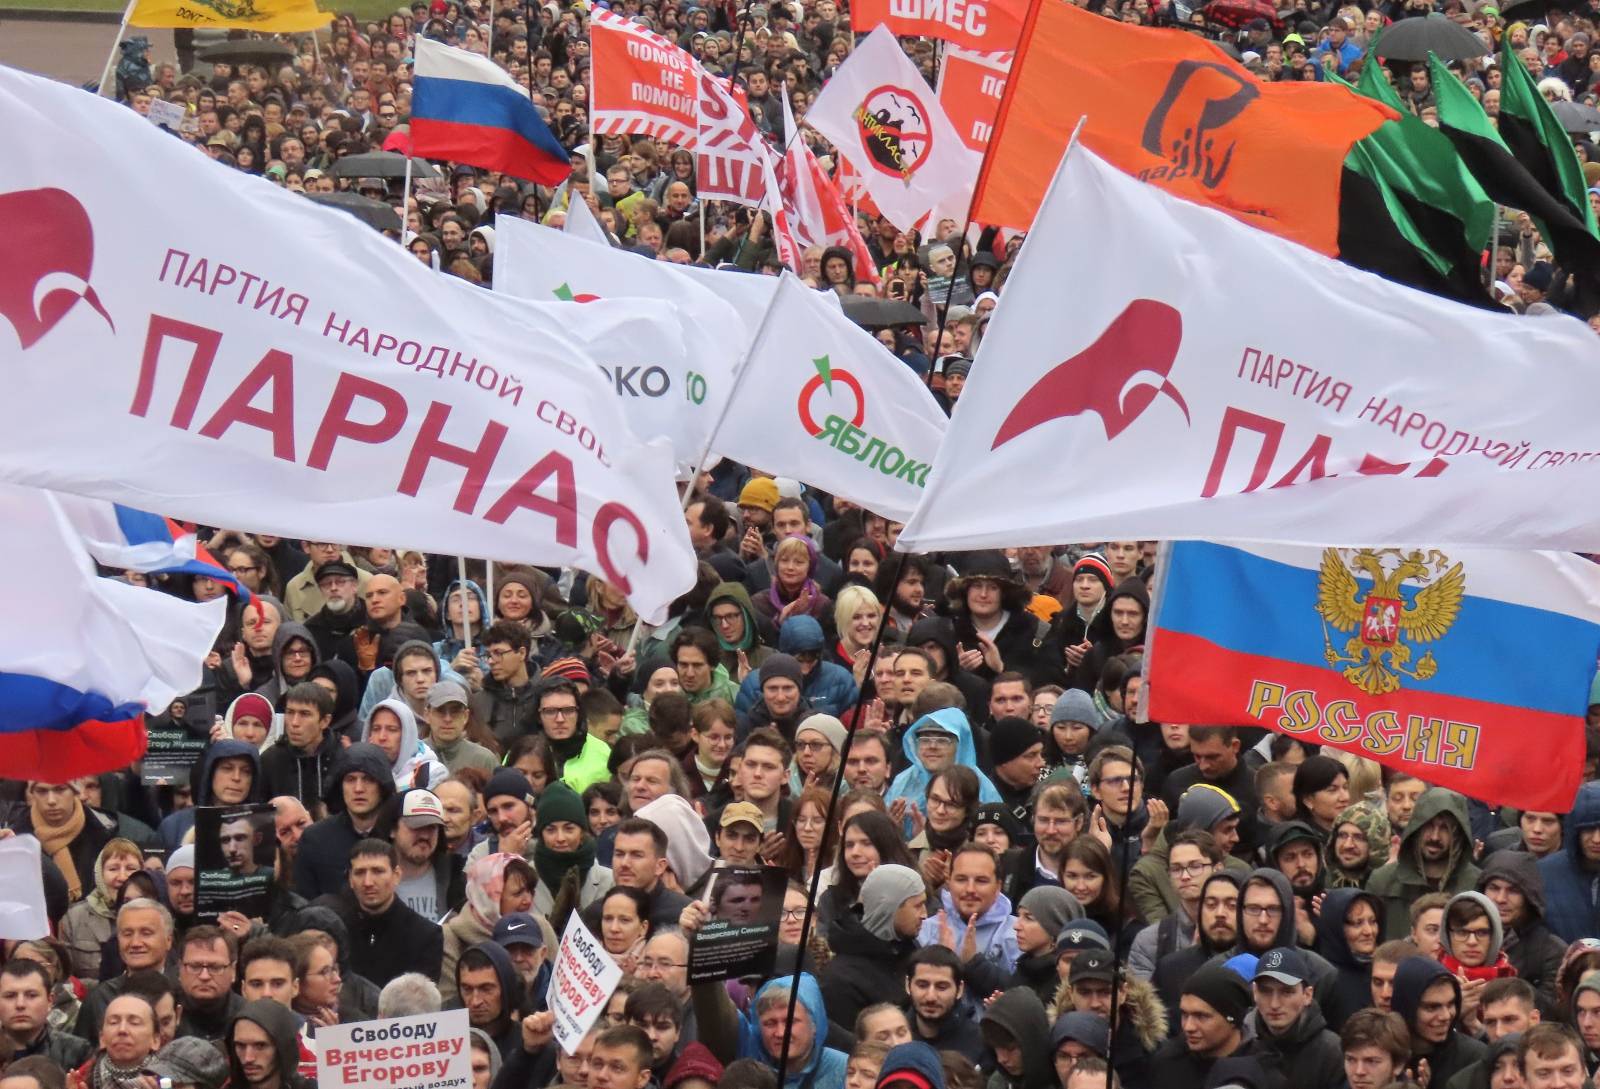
<point>1382,617</point>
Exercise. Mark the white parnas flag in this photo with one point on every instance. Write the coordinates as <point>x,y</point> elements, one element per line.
<point>676,395</point>
<point>822,401</point>
<point>1206,379</point>
<point>881,115</point>
<point>186,339</point>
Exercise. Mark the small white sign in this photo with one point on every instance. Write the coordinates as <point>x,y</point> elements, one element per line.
<point>585,976</point>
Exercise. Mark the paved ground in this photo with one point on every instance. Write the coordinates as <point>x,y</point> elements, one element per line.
<point>72,51</point>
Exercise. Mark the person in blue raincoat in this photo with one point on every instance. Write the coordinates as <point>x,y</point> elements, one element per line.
<point>934,742</point>
<point>759,1032</point>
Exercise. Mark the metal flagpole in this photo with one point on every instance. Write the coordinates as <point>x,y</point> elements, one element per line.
<point>405,204</point>
<point>111,59</point>
<point>488,592</point>
<point>466,623</point>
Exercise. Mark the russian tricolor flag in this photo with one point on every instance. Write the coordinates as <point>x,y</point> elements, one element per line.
<point>82,657</point>
<point>467,109</point>
<point>135,540</point>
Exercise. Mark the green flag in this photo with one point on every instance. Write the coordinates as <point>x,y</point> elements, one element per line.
<point>1504,177</point>
<point>1532,133</point>
<point>1405,186</point>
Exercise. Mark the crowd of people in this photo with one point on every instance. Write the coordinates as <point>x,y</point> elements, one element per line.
<point>1021,884</point>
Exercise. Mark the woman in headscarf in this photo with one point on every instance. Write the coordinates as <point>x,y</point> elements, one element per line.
<point>497,885</point>
<point>563,857</point>
<point>92,921</point>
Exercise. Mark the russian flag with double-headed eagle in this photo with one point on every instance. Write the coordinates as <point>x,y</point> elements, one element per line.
<point>466,109</point>
<point>1471,670</point>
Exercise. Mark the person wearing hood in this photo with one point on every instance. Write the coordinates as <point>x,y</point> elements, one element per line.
<point>914,1065</point>
<point>936,741</point>
<point>763,1031</point>
<point>1435,856</point>
<point>294,655</point>
<point>1117,628</point>
<point>1572,874</point>
<point>299,763</point>
<point>1347,936</point>
<point>340,679</point>
<point>1217,930</point>
<point>1267,921</point>
<point>744,638</point>
<point>1212,1027</point>
<point>408,667</point>
<point>824,686</point>
<point>1294,849</point>
<point>1043,913</point>
<point>263,1047</point>
<point>975,916</point>
<point>361,781</point>
<point>506,702</point>
<point>936,635</point>
<point>1292,1039</point>
<point>870,949</point>
<point>250,718</point>
<point>1201,808</point>
<point>466,658</point>
<point>229,773</point>
<point>489,990</point>
<point>1358,845</point>
<point>995,632</point>
<point>581,759</point>
<point>563,857</point>
<point>1514,882</point>
<point>392,727</point>
<point>1428,997</point>
<point>1471,943</point>
<point>1016,1029</point>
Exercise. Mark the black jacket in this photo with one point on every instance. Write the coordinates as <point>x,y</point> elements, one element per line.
<point>62,1048</point>
<point>98,830</point>
<point>1352,987</point>
<point>393,942</point>
<point>1241,787</point>
<point>1308,1056</point>
<point>1533,950</point>
<point>1174,1066</point>
<point>279,1024</point>
<point>322,864</point>
<point>209,1024</point>
<point>287,770</point>
<point>1458,1051</point>
<point>1022,1016</point>
<point>864,969</point>
<point>1174,969</point>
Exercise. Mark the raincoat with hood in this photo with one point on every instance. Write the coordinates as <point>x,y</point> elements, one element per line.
<point>1496,964</point>
<point>828,688</point>
<point>177,824</point>
<point>1414,976</point>
<point>733,1035</point>
<point>912,784</point>
<point>416,765</point>
<point>278,1023</point>
<point>1020,1015</point>
<point>322,864</point>
<point>1571,883</point>
<point>1374,824</point>
<point>1402,881</point>
<point>1352,987</point>
<point>758,637</point>
<point>1533,950</point>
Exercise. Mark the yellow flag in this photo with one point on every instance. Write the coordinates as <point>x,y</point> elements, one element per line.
<point>268,16</point>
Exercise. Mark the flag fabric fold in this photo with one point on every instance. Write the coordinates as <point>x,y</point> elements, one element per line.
<point>134,540</point>
<point>265,16</point>
<point>468,109</point>
<point>1450,666</point>
<point>83,657</point>
<point>1530,130</point>
<point>642,83</point>
<point>818,213</point>
<point>1324,406</point>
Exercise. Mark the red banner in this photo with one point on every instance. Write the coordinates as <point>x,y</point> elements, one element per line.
<point>729,157</point>
<point>970,86</point>
<point>983,25</point>
<point>642,83</point>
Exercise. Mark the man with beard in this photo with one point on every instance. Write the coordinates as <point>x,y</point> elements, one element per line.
<point>302,594</point>
<point>1436,856</point>
<point>1293,849</point>
<point>341,612</point>
<point>941,1017</point>
<point>431,877</point>
<point>1218,931</point>
<point>904,585</point>
<point>263,1048</point>
<point>205,982</point>
<point>1058,817</point>
<point>290,823</point>
<point>509,806</point>
<point>1267,912</point>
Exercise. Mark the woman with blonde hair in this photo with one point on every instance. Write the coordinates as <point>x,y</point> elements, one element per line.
<point>856,616</point>
<point>92,921</point>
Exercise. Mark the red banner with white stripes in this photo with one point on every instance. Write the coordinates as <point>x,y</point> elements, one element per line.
<point>643,84</point>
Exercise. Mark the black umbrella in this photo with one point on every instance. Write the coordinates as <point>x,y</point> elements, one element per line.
<point>881,313</point>
<point>374,213</point>
<point>252,51</point>
<point>381,164</point>
<point>1575,117</point>
<point>1414,39</point>
<point>1535,11</point>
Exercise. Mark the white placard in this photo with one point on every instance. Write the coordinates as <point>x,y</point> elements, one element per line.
<point>585,976</point>
<point>428,1049</point>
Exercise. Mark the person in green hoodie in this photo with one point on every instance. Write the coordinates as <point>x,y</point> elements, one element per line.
<point>581,758</point>
<point>1435,856</point>
<point>696,654</point>
<point>738,629</point>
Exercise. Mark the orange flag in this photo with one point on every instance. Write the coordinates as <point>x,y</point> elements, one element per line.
<point>1170,108</point>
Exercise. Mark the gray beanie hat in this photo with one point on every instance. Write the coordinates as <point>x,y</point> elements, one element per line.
<point>1076,705</point>
<point>1202,807</point>
<point>882,893</point>
<point>1052,906</point>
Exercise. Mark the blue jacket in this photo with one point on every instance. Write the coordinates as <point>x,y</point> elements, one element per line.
<point>828,1064</point>
<point>997,935</point>
<point>1571,890</point>
<point>912,784</point>
<point>829,688</point>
